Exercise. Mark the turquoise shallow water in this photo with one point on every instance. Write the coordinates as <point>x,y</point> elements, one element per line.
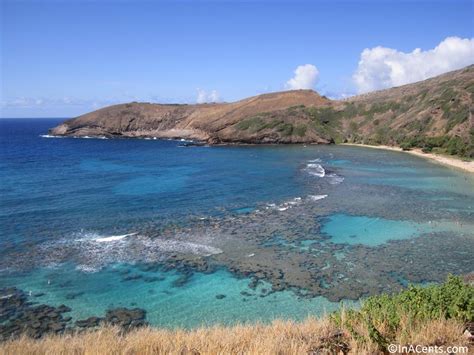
<point>191,305</point>
<point>345,229</point>
<point>272,231</point>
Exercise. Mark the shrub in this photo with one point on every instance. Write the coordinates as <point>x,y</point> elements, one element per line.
<point>300,130</point>
<point>456,146</point>
<point>453,299</point>
<point>253,124</point>
<point>285,129</point>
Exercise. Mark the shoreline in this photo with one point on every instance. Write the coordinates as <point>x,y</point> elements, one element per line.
<point>466,166</point>
<point>452,162</point>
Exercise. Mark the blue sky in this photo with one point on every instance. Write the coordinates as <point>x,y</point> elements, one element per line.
<point>64,58</point>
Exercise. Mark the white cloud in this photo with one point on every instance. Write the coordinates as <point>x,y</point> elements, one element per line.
<point>214,96</point>
<point>382,67</point>
<point>306,76</point>
<point>203,96</point>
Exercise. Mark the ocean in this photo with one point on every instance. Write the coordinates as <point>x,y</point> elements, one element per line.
<point>198,235</point>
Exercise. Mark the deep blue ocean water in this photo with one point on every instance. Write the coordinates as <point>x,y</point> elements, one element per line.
<point>67,203</point>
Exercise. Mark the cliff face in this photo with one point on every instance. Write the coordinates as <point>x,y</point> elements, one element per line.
<point>435,113</point>
<point>207,122</point>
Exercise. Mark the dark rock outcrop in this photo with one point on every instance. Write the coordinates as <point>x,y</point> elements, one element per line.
<point>20,317</point>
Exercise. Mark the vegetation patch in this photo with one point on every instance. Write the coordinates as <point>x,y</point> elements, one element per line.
<point>384,317</point>
<point>286,129</point>
<point>300,130</point>
<point>259,123</point>
<point>444,144</point>
<point>456,116</point>
<point>253,124</point>
<point>326,121</point>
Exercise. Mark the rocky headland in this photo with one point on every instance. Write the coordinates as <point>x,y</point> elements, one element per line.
<point>434,115</point>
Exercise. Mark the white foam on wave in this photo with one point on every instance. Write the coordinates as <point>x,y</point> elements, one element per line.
<point>114,238</point>
<point>316,197</point>
<point>335,179</point>
<point>285,205</point>
<point>90,137</point>
<point>295,201</point>
<point>7,296</point>
<point>87,269</point>
<point>77,137</point>
<point>92,251</point>
<point>315,170</point>
<point>50,136</point>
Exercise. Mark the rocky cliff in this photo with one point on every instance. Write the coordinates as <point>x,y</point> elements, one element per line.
<point>432,114</point>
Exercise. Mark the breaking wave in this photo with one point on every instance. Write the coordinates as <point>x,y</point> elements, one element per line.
<point>114,238</point>
<point>315,170</point>
<point>335,179</point>
<point>91,251</point>
<point>316,197</point>
<point>50,136</point>
<point>285,205</point>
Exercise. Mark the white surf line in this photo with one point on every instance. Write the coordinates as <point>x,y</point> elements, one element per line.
<point>316,197</point>
<point>114,238</point>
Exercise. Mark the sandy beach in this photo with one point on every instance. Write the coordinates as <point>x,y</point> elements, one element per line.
<point>441,159</point>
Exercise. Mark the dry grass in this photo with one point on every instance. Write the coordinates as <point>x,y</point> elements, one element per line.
<point>280,337</point>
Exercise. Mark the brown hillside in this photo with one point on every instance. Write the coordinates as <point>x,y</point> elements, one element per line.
<point>212,122</point>
<point>432,114</point>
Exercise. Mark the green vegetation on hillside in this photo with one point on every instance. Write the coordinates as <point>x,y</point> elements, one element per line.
<point>264,121</point>
<point>374,127</point>
<point>440,144</point>
<point>431,117</point>
<point>385,316</point>
<point>326,120</point>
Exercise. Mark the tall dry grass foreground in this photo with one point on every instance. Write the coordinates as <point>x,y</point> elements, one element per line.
<point>313,336</point>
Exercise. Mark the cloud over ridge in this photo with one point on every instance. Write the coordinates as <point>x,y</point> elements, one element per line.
<point>382,67</point>
<point>203,96</point>
<point>306,76</point>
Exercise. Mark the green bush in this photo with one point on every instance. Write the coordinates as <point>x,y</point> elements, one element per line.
<point>324,115</point>
<point>456,146</point>
<point>300,130</point>
<point>285,129</point>
<point>453,299</point>
<point>451,145</point>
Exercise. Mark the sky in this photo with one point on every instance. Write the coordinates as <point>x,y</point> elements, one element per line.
<point>63,58</point>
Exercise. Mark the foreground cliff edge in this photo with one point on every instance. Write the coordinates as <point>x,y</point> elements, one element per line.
<point>434,115</point>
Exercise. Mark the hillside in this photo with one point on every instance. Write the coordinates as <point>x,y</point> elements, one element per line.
<point>213,123</point>
<point>432,114</point>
